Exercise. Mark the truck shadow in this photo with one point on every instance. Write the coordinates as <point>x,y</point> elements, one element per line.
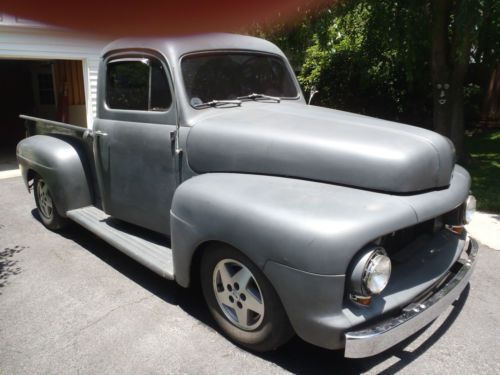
<point>302,358</point>
<point>296,356</point>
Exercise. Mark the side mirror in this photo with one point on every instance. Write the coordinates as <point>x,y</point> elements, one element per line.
<point>313,92</point>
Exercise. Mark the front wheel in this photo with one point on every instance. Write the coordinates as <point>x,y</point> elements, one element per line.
<point>46,207</point>
<point>242,301</point>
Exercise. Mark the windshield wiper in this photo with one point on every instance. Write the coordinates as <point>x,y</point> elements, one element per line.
<point>255,96</point>
<point>219,103</point>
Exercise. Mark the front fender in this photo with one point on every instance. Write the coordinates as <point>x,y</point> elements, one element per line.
<point>303,235</point>
<point>61,165</point>
<point>310,226</point>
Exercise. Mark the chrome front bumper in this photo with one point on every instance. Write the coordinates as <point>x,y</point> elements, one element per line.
<point>375,339</point>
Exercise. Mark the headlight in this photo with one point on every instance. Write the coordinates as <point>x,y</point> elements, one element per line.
<point>370,273</point>
<point>470,208</point>
<point>377,272</point>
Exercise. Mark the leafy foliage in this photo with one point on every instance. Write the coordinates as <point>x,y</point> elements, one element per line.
<point>484,168</point>
<point>373,56</point>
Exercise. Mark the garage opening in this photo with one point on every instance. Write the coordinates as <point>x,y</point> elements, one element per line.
<point>51,89</point>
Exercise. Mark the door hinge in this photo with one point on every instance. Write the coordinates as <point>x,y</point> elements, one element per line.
<point>175,142</point>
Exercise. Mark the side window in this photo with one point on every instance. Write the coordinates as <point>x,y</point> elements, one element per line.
<point>139,85</point>
<point>159,91</point>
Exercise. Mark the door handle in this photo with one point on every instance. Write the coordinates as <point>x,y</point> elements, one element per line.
<point>99,133</point>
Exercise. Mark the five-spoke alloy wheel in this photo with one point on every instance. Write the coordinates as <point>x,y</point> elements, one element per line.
<point>238,294</point>
<point>44,199</point>
<point>241,299</point>
<point>46,207</point>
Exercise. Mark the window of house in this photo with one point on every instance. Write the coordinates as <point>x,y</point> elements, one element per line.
<point>46,89</point>
<point>137,84</point>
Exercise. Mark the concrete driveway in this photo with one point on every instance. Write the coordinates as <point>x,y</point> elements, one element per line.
<point>70,303</point>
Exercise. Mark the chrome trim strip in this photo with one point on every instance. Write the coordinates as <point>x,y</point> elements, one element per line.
<point>373,340</point>
<point>56,123</point>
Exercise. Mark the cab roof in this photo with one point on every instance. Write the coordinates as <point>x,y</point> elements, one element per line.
<point>175,47</point>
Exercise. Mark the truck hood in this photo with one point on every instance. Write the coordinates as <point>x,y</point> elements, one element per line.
<point>315,143</point>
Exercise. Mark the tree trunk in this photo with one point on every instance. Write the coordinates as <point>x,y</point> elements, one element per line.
<point>457,123</point>
<point>491,107</point>
<point>459,57</point>
<point>450,60</point>
<point>440,14</point>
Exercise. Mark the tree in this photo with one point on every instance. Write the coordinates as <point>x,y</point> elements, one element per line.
<point>404,60</point>
<point>453,28</point>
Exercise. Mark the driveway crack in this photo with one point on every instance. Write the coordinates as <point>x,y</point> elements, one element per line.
<point>96,321</point>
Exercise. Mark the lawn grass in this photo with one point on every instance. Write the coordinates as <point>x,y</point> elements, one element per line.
<point>484,168</point>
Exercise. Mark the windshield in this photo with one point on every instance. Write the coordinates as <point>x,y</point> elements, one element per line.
<point>232,75</point>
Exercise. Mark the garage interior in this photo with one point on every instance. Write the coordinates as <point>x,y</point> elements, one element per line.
<point>51,89</point>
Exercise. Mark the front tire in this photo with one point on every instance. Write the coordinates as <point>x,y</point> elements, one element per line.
<point>46,207</point>
<point>242,301</point>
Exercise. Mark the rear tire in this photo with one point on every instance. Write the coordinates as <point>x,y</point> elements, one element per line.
<point>46,207</point>
<point>242,301</point>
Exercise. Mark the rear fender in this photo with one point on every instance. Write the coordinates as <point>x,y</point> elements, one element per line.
<point>62,165</point>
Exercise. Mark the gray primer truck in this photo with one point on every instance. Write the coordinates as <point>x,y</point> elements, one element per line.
<point>206,164</point>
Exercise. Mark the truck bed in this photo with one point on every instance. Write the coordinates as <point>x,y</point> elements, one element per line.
<point>79,137</point>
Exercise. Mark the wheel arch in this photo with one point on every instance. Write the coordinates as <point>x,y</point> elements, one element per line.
<point>197,255</point>
<point>30,176</point>
<point>61,165</point>
<point>194,268</point>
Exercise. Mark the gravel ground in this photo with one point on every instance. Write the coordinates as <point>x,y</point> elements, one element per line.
<point>70,303</point>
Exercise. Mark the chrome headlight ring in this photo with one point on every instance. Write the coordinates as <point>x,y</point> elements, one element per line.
<point>371,273</point>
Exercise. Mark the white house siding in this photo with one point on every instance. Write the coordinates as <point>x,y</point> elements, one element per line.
<point>91,68</point>
<point>22,39</point>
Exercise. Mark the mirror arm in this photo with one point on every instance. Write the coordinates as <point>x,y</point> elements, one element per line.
<point>313,92</point>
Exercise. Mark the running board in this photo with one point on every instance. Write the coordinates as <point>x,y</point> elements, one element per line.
<point>145,247</point>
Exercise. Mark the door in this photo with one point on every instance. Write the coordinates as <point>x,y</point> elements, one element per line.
<point>134,152</point>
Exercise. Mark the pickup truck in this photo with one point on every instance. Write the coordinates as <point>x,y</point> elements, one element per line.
<point>206,164</point>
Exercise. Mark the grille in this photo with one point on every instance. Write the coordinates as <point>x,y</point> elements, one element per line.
<point>397,241</point>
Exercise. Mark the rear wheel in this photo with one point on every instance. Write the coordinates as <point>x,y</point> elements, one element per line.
<point>242,301</point>
<point>46,207</point>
